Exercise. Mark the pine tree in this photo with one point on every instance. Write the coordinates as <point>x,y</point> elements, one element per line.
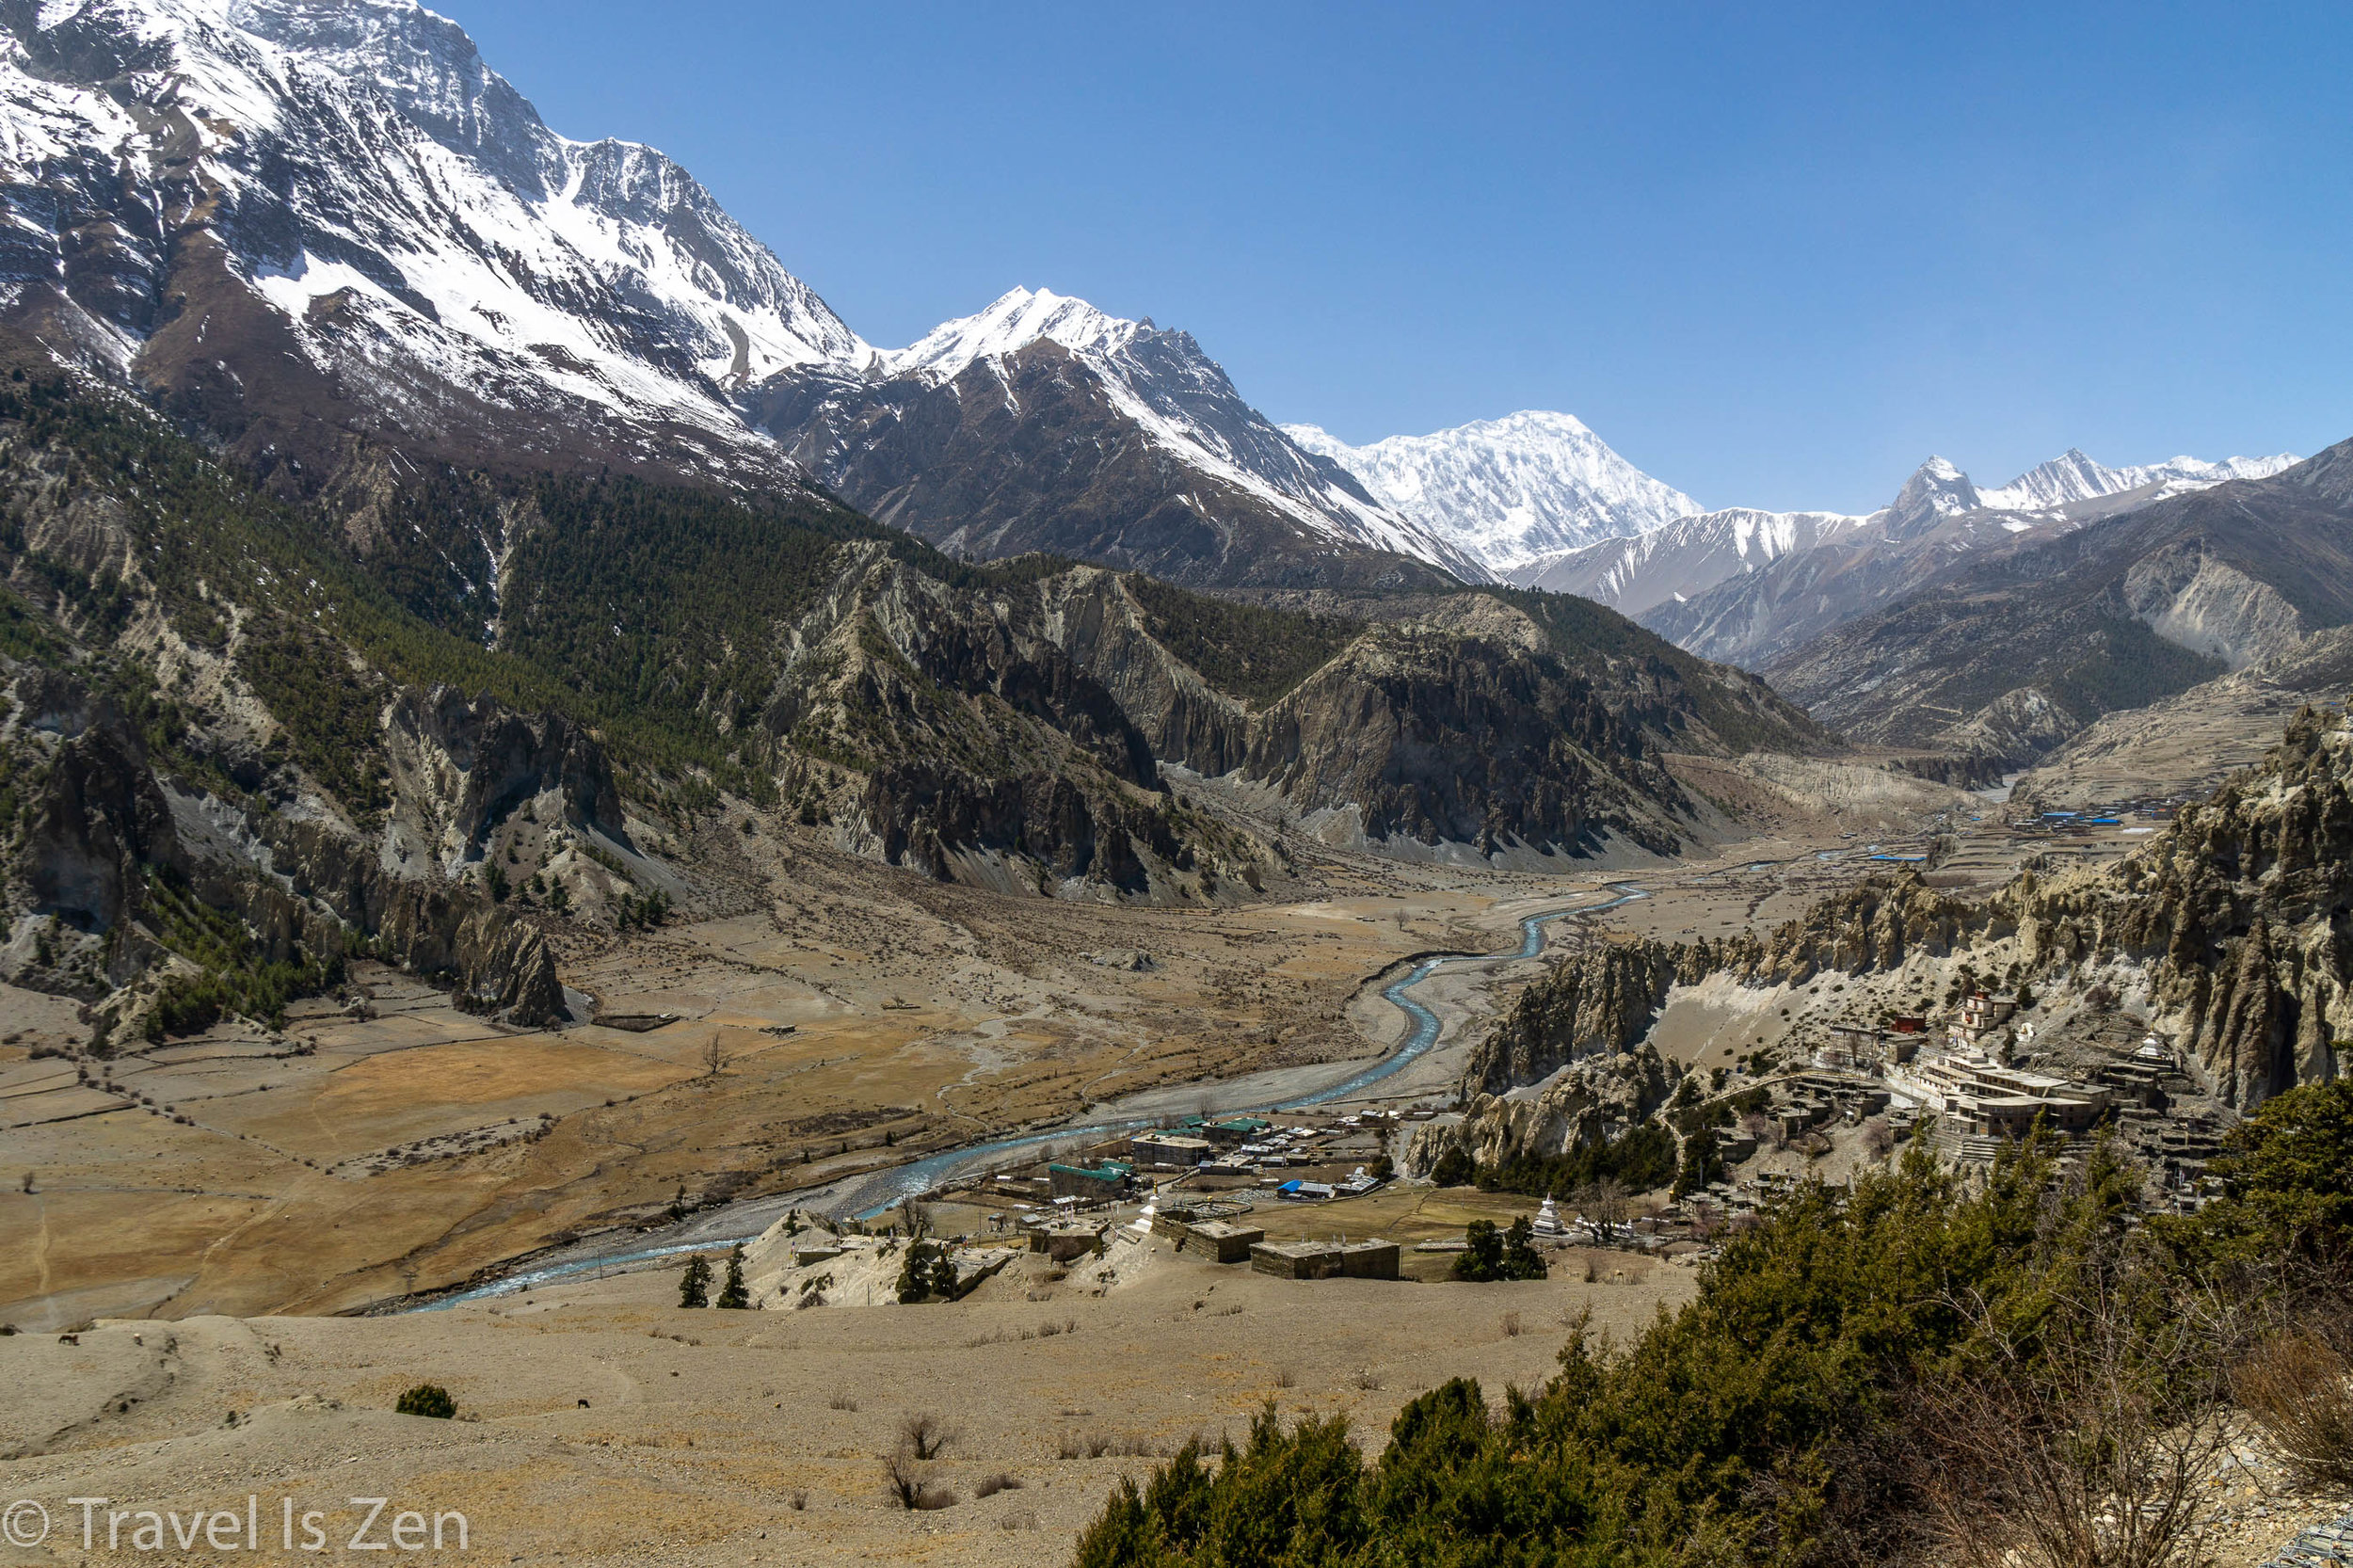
<point>694,1288</point>
<point>733,1294</point>
<point>1521,1260</point>
<point>1481,1258</point>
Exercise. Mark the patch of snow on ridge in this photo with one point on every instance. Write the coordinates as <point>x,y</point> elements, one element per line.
<point>1683,557</point>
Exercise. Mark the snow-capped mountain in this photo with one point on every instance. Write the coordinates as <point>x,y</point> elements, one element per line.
<point>1936,491</point>
<point>1671,561</point>
<point>1510,490</point>
<point>332,211</point>
<point>1011,323</point>
<point>326,228</point>
<point>1760,607</point>
<point>2072,477</point>
<point>1690,556</point>
<point>1041,423</point>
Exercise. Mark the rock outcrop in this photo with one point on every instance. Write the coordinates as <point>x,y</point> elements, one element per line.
<point>1590,1103</point>
<point>1601,999</point>
<point>105,826</point>
<point>462,764</point>
<point>2240,918</point>
<point>2233,929</point>
<point>1498,724</point>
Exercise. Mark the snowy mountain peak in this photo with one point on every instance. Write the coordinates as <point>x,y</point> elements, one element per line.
<point>1510,490</point>
<point>1936,489</point>
<point>2074,477</point>
<point>1162,386</point>
<point>428,241</point>
<point>1011,322</point>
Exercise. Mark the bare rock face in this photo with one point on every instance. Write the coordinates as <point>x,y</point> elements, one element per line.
<point>922,815</point>
<point>1877,924</point>
<point>1466,722</point>
<point>506,969</point>
<point>1597,1004</point>
<point>1092,617</point>
<point>2237,915</point>
<point>2202,601</point>
<point>1437,736</point>
<point>463,764</point>
<point>1590,1103</point>
<point>981,738</point>
<point>103,827</point>
<point>1601,999</point>
<point>2236,922</point>
<point>101,819</point>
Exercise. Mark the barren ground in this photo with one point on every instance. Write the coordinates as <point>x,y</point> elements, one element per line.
<point>217,1196</point>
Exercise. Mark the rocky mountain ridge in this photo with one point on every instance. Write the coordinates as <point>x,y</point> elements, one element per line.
<point>284,729</point>
<point>2007,650</point>
<point>331,237</point>
<point>1807,573</point>
<point>1042,423</point>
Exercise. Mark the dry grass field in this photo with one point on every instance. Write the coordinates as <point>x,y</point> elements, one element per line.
<point>860,1016</point>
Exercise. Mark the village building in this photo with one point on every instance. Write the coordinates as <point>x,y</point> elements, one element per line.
<point>1865,1048</point>
<point>1982,1017</point>
<point>1234,1131</point>
<point>1099,1183</point>
<point>1368,1259</point>
<point>1170,1151</point>
<point>1219,1241</point>
<point>1975,1096</point>
<point>1064,1240</point>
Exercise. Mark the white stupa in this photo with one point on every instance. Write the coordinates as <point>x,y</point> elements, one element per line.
<point>1549,1219</point>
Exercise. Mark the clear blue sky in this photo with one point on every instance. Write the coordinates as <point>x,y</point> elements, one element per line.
<point>1775,254</point>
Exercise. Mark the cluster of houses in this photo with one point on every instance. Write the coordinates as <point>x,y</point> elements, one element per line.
<point>1307,1157</point>
<point>1987,1077</point>
<point>1969,1086</point>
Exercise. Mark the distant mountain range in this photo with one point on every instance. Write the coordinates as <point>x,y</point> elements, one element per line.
<point>322,228</point>
<point>1690,555</point>
<point>2007,649</point>
<point>326,237</point>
